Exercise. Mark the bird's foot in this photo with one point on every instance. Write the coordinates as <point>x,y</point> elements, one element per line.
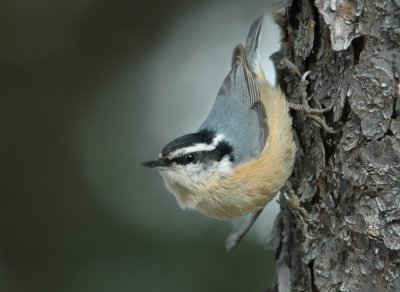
<point>315,114</point>
<point>299,212</point>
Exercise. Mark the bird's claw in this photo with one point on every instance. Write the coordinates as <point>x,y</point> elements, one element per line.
<point>303,216</point>
<point>315,114</point>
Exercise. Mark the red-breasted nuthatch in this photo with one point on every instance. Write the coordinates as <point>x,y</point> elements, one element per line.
<point>243,153</point>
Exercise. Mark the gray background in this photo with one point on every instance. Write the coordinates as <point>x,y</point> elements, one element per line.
<point>88,90</point>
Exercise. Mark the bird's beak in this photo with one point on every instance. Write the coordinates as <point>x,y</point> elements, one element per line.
<point>156,163</point>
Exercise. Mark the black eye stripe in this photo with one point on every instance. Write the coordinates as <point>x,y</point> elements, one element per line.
<point>223,149</point>
<point>187,158</point>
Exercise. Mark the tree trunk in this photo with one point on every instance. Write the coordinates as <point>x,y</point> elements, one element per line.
<point>348,182</point>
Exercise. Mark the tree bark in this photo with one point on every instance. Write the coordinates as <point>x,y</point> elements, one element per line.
<point>349,182</point>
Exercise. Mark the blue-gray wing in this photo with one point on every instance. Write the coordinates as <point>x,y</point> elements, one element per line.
<point>238,112</point>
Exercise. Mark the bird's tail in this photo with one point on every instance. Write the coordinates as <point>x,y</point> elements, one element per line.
<point>252,46</point>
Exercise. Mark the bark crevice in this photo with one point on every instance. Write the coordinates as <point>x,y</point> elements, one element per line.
<point>350,181</point>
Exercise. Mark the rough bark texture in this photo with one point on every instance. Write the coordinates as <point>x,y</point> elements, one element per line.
<point>348,182</point>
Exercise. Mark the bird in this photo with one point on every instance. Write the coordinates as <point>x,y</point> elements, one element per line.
<point>243,153</point>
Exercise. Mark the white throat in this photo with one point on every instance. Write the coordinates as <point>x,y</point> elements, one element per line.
<point>197,173</point>
<point>185,181</point>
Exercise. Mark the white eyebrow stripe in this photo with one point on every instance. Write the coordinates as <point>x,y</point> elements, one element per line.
<point>197,147</point>
<point>191,149</point>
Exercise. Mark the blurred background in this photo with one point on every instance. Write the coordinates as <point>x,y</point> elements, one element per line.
<point>88,90</point>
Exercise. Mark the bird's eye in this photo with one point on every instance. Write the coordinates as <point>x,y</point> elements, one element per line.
<point>189,158</point>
